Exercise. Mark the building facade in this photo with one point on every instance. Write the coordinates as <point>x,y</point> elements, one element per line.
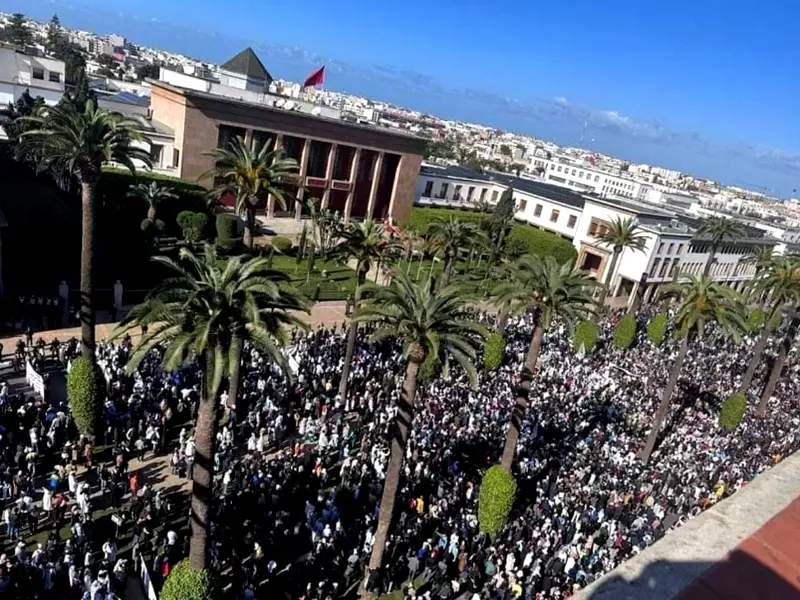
<point>40,77</point>
<point>362,172</point>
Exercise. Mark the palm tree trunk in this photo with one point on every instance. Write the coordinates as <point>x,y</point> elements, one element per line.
<point>521,401</point>
<point>711,256</point>
<point>502,320</point>
<point>151,214</point>
<point>609,279</point>
<point>399,439</point>
<point>249,226</point>
<point>666,398</point>
<point>237,343</point>
<point>783,351</point>
<point>202,472</point>
<point>758,351</point>
<point>87,313</point>
<point>352,331</point>
<point>448,270</point>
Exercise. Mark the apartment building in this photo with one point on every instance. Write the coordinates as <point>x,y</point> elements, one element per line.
<point>584,178</point>
<point>41,77</point>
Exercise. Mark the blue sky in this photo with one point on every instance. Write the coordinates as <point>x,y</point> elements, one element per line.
<point>709,87</point>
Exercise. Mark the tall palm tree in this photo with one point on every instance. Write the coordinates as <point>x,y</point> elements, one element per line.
<point>718,230</point>
<point>152,195</point>
<point>551,290</point>
<point>786,345</point>
<point>364,244</point>
<point>621,234</point>
<point>197,315</point>
<point>760,258</point>
<point>250,173</point>
<point>429,324</point>
<point>779,280</point>
<point>77,143</point>
<point>701,301</point>
<point>449,236</point>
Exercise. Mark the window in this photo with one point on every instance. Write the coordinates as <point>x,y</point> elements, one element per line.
<point>38,73</point>
<point>596,178</point>
<point>55,77</point>
<point>156,151</point>
<point>571,221</point>
<point>428,189</point>
<point>573,172</point>
<point>554,216</point>
<point>580,174</point>
<point>457,193</point>
<point>598,227</point>
<point>470,193</point>
<point>671,248</point>
<point>495,193</point>
<point>664,268</point>
<point>680,248</point>
<point>176,157</point>
<point>661,248</point>
<point>654,269</point>
<point>443,190</point>
<point>591,262</point>
<point>522,205</point>
<point>537,210</point>
<point>559,168</point>
<point>483,194</point>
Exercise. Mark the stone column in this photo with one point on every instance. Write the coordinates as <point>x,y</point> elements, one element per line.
<point>329,176</point>
<point>248,138</point>
<point>376,177</point>
<point>271,198</point>
<point>301,188</point>
<point>348,205</point>
<point>397,172</point>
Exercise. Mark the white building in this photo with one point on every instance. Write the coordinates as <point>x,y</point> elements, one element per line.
<point>42,77</point>
<point>585,178</point>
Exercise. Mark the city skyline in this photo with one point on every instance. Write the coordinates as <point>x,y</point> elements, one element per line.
<point>758,159</point>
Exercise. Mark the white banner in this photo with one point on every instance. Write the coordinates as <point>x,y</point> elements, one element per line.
<point>34,379</point>
<point>147,584</point>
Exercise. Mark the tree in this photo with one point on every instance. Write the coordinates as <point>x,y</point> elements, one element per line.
<point>502,218</point>
<point>76,144</point>
<point>17,32</point>
<point>717,230</point>
<point>779,281</point>
<point>551,290</point>
<point>152,195</point>
<point>250,173</point>
<point>362,243</point>
<point>202,313</point>
<point>701,301</point>
<point>786,345</point>
<point>148,71</point>
<point>54,44</point>
<point>505,150</point>
<point>80,94</point>
<point>327,226</point>
<point>14,123</point>
<point>451,235</point>
<point>429,324</point>
<point>621,234</point>
<point>760,258</point>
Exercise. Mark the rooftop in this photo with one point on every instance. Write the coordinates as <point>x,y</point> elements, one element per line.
<point>247,63</point>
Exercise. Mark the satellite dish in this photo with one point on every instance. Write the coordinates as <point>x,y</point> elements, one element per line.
<point>316,111</point>
<point>289,105</point>
<point>280,103</point>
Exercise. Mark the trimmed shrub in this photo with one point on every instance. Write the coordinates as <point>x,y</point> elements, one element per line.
<point>625,332</point>
<point>529,240</point>
<point>755,319</point>
<point>227,226</point>
<point>496,497</point>
<point>422,217</point>
<point>193,225</point>
<point>732,411</point>
<point>85,386</point>
<point>657,329</point>
<point>494,351</point>
<point>585,337</point>
<point>281,243</point>
<point>184,583</point>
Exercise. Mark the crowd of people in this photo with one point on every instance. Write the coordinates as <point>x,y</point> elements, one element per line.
<point>299,470</point>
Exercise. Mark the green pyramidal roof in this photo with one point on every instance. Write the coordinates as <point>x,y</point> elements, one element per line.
<point>248,64</point>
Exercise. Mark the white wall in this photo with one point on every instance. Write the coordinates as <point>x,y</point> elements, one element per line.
<point>527,205</point>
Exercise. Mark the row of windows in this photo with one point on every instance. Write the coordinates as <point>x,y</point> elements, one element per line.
<point>53,76</point>
<point>554,214</point>
<point>667,267</point>
<point>670,248</point>
<point>575,172</point>
<point>702,248</point>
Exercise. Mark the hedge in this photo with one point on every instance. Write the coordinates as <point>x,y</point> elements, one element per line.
<point>496,497</point>
<point>183,583</point>
<point>586,336</point>
<point>281,243</point>
<point>193,225</point>
<point>732,411</point>
<point>494,351</point>
<point>657,329</point>
<point>85,395</point>
<point>523,239</point>
<point>625,332</point>
<point>227,226</point>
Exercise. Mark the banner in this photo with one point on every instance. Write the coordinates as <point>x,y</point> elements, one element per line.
<point>147,584</point>
<point>34,379</point>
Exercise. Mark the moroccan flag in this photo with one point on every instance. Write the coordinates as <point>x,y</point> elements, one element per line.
<point>316,78</point>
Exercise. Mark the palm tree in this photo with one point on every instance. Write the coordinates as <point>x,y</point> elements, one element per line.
<point>718,230</point>
<point>551,290</point>
<point>152,195</point>
<point>450,235</point>
<point>761,257</point>
<point>429,324</point>
<point>621,234</point>
<point>197,315</point>
<point>250,174</point>
<point>779,280</point>
<point>701,301</point>
<point>363,243</point>
<point>786,345</point>
<point>77,143</point>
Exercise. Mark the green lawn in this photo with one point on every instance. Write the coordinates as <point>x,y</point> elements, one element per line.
<point>335,281</point>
